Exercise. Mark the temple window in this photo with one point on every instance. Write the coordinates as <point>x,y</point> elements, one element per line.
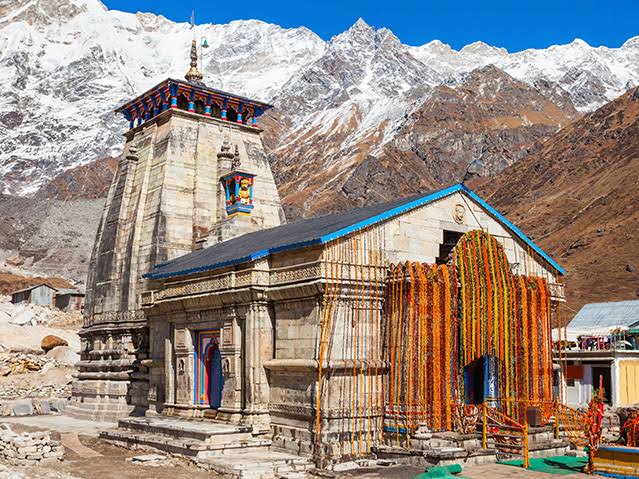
<point>199,107</point>
<point>447,246</point>
<point>216,111</point>
<point>183,102</point>
<point>231,115</point>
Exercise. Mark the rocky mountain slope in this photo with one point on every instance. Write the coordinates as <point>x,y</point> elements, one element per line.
<point>577,197</point>
<point>490,115</point>
<point>65,64</point>
<point>48,237</point>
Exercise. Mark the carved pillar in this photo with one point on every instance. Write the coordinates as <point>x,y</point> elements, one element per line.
<point>183,368</point>
<point>169,372</point>
<point>258,348</point>
<point>240,111</point>
<point>231,351</point>
<point>225,106</point>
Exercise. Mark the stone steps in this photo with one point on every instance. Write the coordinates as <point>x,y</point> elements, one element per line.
<point>186,447</point>
<point>266,464</point>
<point>436,456</point>
<point>208,432</point>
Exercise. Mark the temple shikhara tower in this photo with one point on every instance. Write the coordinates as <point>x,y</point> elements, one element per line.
<point>193,173</point>
<point>212,325</point>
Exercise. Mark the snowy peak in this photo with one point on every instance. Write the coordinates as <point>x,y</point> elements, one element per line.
<point>47,12</point>
<point>482,49</point>
<point>359,35</point>
<point>65,64</point>
<point>632,43</point>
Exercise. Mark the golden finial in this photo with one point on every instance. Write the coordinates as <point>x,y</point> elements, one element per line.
<point>194,75</point>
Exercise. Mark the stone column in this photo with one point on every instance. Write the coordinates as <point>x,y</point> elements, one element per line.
<point>258,348</point>
<point>184,367</point>
<point>169,371</point>
<point>231,351</point>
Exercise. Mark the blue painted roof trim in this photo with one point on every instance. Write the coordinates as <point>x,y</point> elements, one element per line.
<point>392,213</point>
<point>365,224</point>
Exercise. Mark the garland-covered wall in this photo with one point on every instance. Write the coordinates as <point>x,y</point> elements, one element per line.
<point>421,333</point>
<point>441,321</point>
<point>504,316</point>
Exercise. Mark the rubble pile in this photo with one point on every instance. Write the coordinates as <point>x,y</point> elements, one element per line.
<point>46,390</point>
<point>17,366</point>
<point>24,314</point>
<point>22,363</point>
<point>28,448</point>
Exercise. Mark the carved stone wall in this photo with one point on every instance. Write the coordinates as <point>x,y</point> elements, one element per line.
<point>271,313</point>
<point>163,201</point>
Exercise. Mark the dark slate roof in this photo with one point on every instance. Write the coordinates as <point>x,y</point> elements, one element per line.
<point>320,230</point>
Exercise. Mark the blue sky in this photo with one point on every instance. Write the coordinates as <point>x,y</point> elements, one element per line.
<point>514,25</point>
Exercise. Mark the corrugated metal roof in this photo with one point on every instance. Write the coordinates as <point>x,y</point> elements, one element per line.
<point>320,230</point>
<point>599,319</point>
<point>34,287</point>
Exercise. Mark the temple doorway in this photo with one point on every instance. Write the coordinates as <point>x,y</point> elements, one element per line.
<point>214,377</point>
<point>481,380</point>
<point>209,380</point>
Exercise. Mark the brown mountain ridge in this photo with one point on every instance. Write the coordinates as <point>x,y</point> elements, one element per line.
<point>578,198</point>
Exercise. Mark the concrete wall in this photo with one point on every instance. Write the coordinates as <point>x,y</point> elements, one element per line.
<point>580,393</point>
<point>624,379</point>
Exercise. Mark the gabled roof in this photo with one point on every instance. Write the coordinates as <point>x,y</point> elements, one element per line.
<point>599,319</point>
<point>34,287</point>
<point>314,231</point>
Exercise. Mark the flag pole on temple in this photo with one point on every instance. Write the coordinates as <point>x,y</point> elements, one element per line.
<point>194,75</point>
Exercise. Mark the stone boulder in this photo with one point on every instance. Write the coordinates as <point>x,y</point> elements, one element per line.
<point>51,341</point>
<point>64,355</point>
<point>22,318</point>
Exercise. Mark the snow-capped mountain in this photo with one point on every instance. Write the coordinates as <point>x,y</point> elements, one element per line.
<point>66,64</point>
<point>592,76</point>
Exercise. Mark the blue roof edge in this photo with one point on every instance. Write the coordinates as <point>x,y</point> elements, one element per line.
<point>392,213</point>
<point>513,228</point>
<point>364,224</point>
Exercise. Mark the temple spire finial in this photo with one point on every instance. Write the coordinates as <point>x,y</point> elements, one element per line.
<point>194,75</point>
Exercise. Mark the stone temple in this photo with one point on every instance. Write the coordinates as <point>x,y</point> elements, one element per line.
<point>329,338</point>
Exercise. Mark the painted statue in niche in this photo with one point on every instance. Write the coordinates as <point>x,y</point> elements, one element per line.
<point>239,192</point>
<point>245,191</point>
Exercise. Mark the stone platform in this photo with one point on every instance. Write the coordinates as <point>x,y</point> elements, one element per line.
<point>225,448</point>
<point>444,448</point>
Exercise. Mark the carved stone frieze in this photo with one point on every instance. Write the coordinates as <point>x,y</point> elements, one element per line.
<point>297,273</point>
<point>114,317</point>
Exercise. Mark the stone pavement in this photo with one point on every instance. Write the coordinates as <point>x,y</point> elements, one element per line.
<point>61,424</point>
<point>483,471</point>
